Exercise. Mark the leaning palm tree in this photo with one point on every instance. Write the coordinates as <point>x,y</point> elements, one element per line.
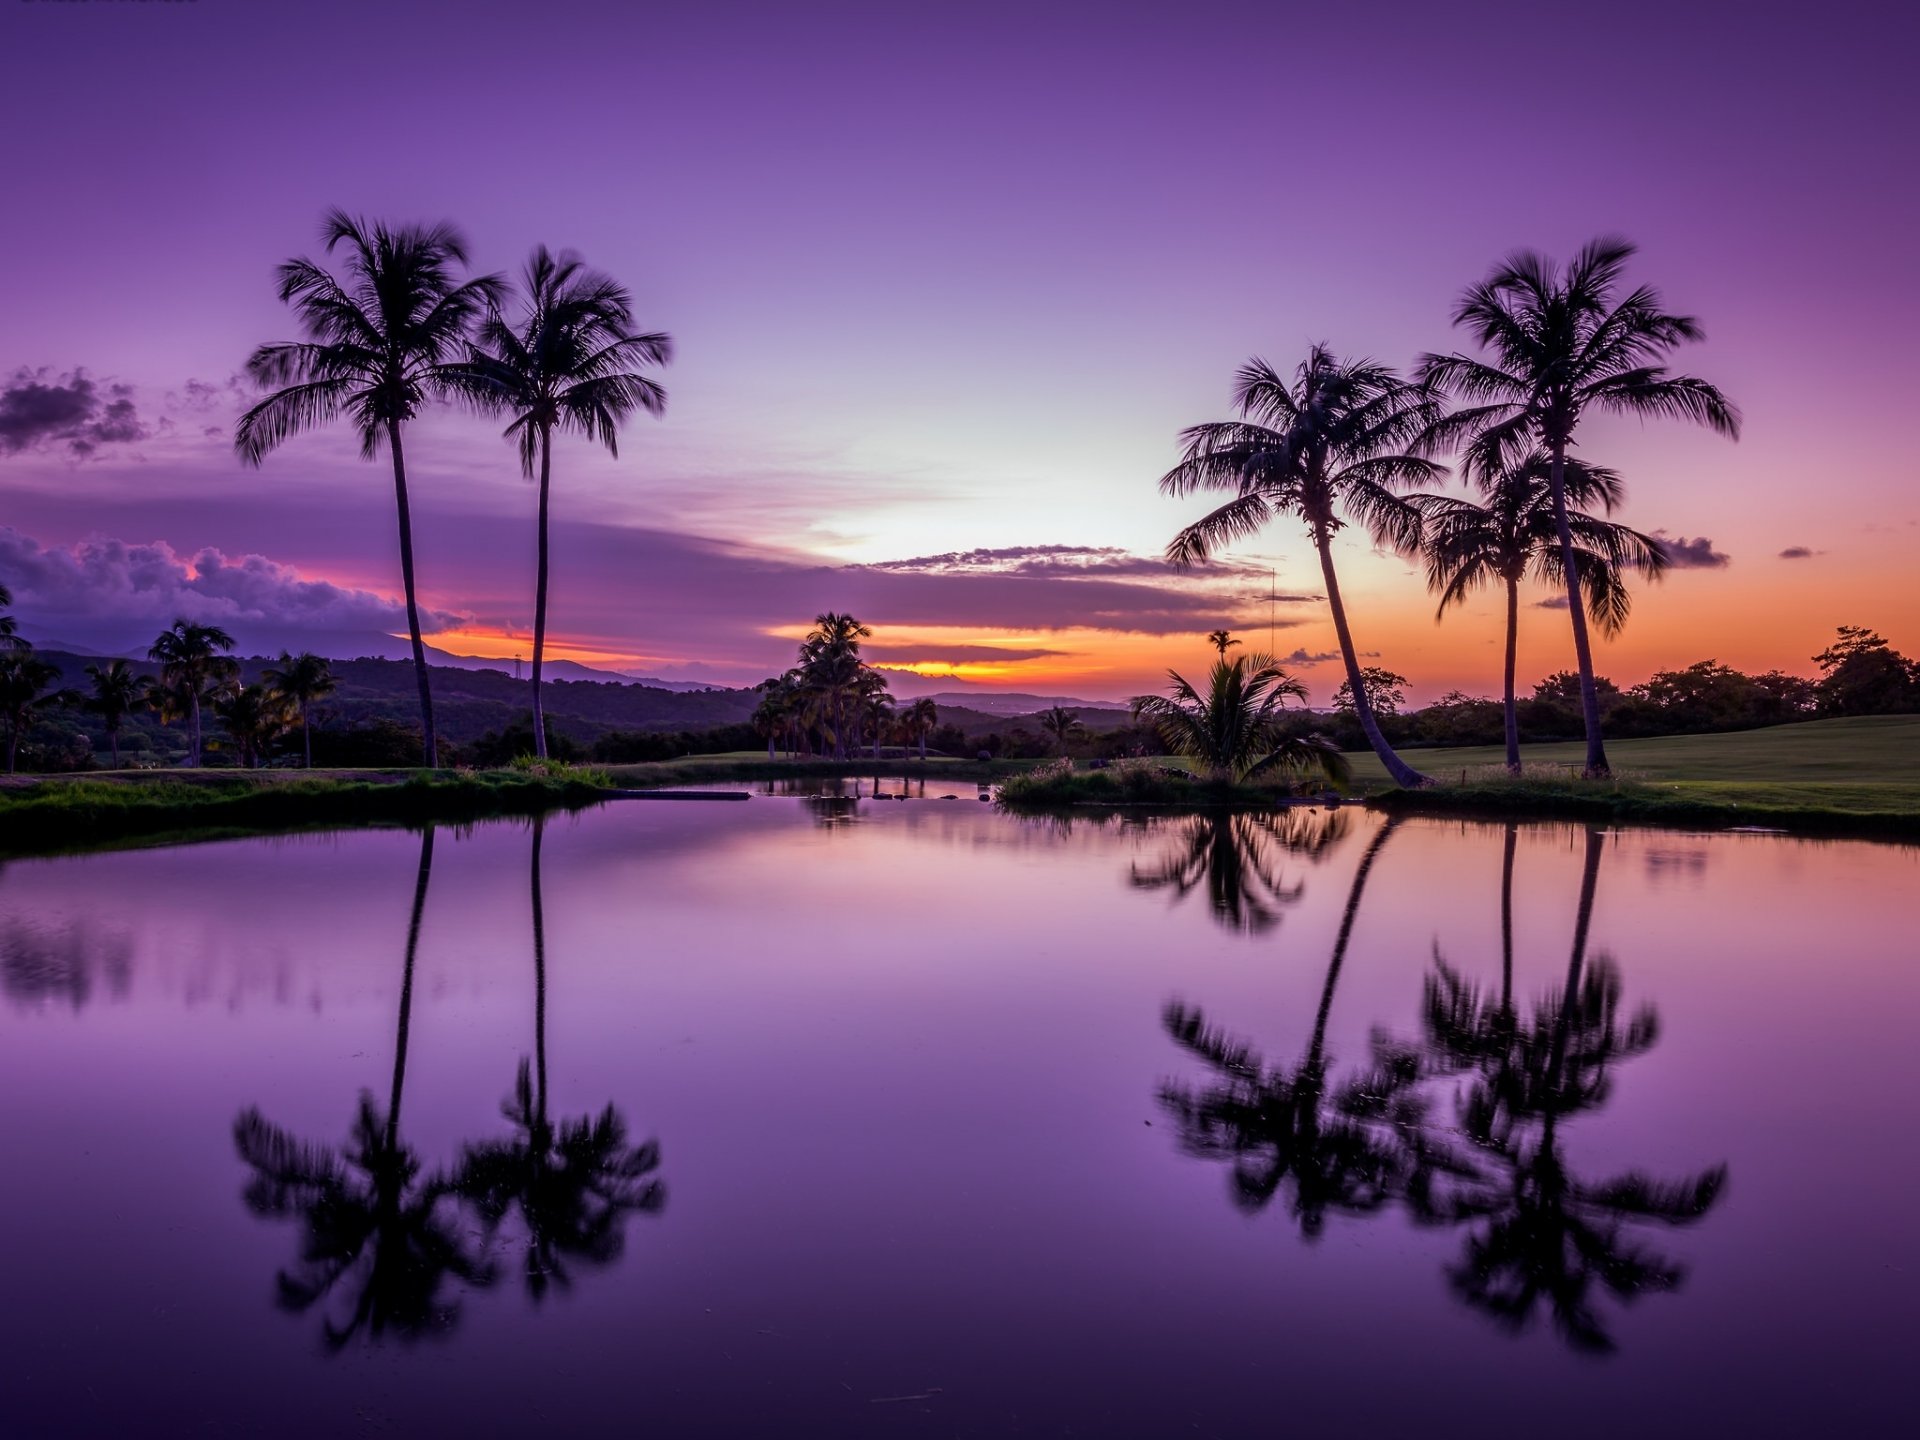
<point>192,665</point>
<point>118,691</point>
<point>573,1182</point>
<point>1561,344</point>
<point>1063,725</point>
<point>1234,731</point>
<point>1515,535</point>
<point>571,362</point>
<point>1339,436</point>
<point>300,680</point>
<point>377,349</point>
<point>27,687</point>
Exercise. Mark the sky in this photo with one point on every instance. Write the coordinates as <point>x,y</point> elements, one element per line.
<point>944,283</point>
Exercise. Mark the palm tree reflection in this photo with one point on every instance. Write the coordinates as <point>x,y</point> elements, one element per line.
<point>374,1230</point>
<point>1236,855</point>
<point>1540,1238</point>
<point>573,1183</point>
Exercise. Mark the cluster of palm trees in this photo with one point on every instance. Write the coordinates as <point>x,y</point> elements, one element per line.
<point>1463,1126</point>
<point>1350,441</point>
<point>832,702</point>
<point>401,329</point>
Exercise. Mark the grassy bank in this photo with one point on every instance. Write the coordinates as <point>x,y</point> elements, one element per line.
<point>749,765</point>
<point>50,815</point>
<point>1133,782</point>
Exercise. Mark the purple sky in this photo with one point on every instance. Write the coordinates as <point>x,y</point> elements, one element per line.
<point>942,282</point>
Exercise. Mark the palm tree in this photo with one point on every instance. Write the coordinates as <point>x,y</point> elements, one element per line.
<point>1341,1151</point>
<point>575,1182</point>
<point>830,666</point>
<point>192,665</point>
<point>918,721</point>
<point>369,1219</point>
<point>377,349</point>
<point>26,690</point>
<point>1561,345</point>
<point>1220,640</point>
<point>1338,437</point>
<point>1233,731</point>
<point>1063,725</point>
<point>773,716</point>
<point>254,716</point>
<point>1516,534</point>
<point>572,363</point>
<point>117,692</point>
<point>300,680</point>
<point>10,638</point>
<point>1233,853</point>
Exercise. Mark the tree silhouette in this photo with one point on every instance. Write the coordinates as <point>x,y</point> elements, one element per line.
<point>573,1182</point>
<point>1234,731</point>
<point>192,666</point>
<point>118,691</point>
<point>373,1229</point>
<point>300,680</point>
<point>1235,855</point>
<point>1561,345</point>
<point>26,688</point>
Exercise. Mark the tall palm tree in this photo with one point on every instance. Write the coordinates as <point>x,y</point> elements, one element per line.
<point>378,346</point>
<point>1220,640</point>
<point>192,665</point>
<point>300,680</point>
<point>830,666</point>
<point>572,362</point>
<point>1233,732</point>
<point>574,1182</point>
<point>919,720</point>
<point>1515,534</point>
<point>1063,725</point>
<point>118,691</point>
<point>27,688</point>
<point>10,638</point>
<point>1562,343</point>
<point>370,1221</point>
<point>1339,437</point>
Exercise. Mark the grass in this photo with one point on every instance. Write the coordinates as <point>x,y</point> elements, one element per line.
<point>747,765</point>
<point>1159,781</point>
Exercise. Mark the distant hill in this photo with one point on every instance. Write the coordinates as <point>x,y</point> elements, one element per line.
<point>1009,703</point>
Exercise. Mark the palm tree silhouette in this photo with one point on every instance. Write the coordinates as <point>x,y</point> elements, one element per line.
<point>1234,731</point>
<point>575,1182</point>
<point>1515,534</point>
<point>26,689</point>
<point>192,665</point>
<point>10,637</point>
<point>377,349</point>
<point>1221,640</point>
<point>1560,346</point>
<point>918,721</point>
<point>1337,437</point>
<point>1338,1147</point>
<point>300,680</point>
<point>1063,725</point>
<point>372,1226</point>
<point>1543,1235</point>
<point>1235,854</point>
<point>572,363</point>
<point>118,691</point>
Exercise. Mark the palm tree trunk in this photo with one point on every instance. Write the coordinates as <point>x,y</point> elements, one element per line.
<point>1403,774</point>
<point>194,696</point>
<point>13,745</point>
<point>306,735</point>
<point>1582,919</point>
<point>113,743</point>
<point>1597,768</point>
<point>539,975</point>
<point>406,987</point>
<point>1513,655</point>
<point>1506,917</point>
<point>429,745</point>
<point>1347,918</point>
<point>540,596</point>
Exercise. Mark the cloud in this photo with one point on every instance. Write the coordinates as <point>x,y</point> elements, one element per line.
<point>119,592</point>
<point>1799,552</point>
<point>935,654</point>
<point>39,410</point>
<point>1552,602</point>
<point>1304,657</point>
<point>1695,554</point>
<point>1057,562</point>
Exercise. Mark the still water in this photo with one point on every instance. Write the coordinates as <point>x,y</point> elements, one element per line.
<point>844,1117</point>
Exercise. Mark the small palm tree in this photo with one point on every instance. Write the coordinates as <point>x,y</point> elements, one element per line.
<point>192,665</point>
<point>1339,436</point>
<point>27,689</point>
<point>918,721</point>
<point>300,680</point>
<point>118,691</point>
<point>254,716</point>
<point>1515,535</point>
<point>10,638</point>
<point>1063,725</point>
<point>1220,640</point>
<point>1233,732</point>
<point>572,362</point>
<point>378,348</point>
<point>1561,344</point>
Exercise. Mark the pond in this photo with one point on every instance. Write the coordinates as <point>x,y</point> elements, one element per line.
<point>835,1115</point>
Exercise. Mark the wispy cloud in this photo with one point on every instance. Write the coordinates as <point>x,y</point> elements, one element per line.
<point>1798,552</point>
<point>1694,554</point>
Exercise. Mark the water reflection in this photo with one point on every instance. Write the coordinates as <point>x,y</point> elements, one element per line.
<point>1540,1239</point>
<point>573,1184</point>
<point>42,964</point>
<point>1236,856</point>
<point>378,1242</point>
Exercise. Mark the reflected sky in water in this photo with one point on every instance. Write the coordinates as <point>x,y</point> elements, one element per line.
<point>828,1115</point>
